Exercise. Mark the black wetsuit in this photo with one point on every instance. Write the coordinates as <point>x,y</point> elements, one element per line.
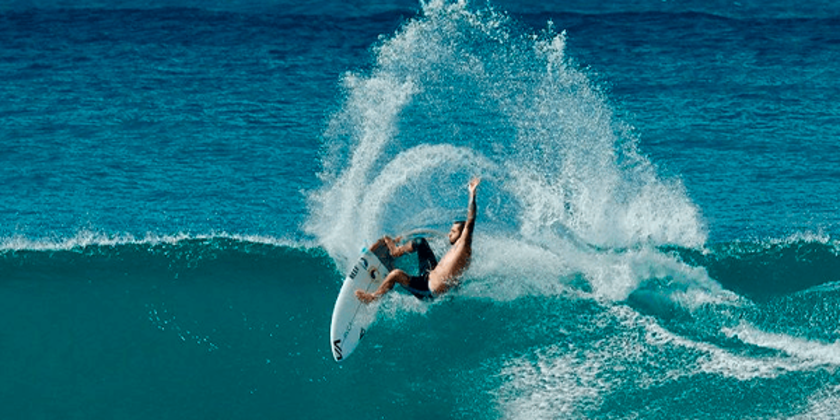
<point>419,285</point>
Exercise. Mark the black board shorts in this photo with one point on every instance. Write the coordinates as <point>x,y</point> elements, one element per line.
<point>419,287</point>
<point>426,261</point>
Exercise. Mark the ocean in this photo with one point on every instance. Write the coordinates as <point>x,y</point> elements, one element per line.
<point>184,186</point>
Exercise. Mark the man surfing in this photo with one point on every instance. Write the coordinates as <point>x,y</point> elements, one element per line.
<point>435,278</point>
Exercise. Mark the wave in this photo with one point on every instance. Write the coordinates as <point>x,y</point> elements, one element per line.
<point>157,258</point>
<point>513,339</point>
<point>767,268</point>
<point>805,263</point>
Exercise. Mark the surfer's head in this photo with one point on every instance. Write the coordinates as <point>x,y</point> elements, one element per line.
<point>455,231</point>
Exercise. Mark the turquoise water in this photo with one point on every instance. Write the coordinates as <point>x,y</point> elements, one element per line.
<point>184,187</point>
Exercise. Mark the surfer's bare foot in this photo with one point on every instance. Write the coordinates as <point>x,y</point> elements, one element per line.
<point>365,297</point>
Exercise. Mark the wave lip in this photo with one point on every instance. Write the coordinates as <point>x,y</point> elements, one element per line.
<point>89,239</point>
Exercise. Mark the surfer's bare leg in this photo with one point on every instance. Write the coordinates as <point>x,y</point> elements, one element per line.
<point>394,277</point>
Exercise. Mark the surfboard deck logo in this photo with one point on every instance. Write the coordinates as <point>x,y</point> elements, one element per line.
<point>337,350</point>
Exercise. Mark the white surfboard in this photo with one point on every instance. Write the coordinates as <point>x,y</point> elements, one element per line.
<point>350,316</point>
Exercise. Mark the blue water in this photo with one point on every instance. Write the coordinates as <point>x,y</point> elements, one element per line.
<point>185,184</point>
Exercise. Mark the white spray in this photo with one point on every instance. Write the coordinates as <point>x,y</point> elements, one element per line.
<point>456,93</point>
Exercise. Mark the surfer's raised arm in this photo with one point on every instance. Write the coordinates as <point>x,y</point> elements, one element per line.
<point>471,211</point>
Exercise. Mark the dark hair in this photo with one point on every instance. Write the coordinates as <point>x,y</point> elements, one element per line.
<point>459,222</point>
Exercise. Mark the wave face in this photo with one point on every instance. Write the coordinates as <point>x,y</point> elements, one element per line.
<point>163,322</point>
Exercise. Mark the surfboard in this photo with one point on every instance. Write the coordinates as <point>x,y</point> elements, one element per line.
<point>351,317</point>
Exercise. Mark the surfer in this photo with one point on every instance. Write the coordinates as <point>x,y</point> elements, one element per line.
<point>435,277</point>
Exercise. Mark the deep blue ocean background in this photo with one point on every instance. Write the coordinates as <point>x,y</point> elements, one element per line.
<point>184,184</point>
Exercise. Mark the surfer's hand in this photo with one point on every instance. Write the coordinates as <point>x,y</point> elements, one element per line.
<point>474,184</point>
<point>365,297</point>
